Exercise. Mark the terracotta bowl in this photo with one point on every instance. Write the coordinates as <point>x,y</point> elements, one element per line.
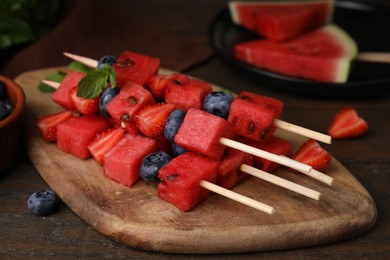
<point>11,126</point>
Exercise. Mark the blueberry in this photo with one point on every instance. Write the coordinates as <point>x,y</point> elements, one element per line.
<point>5,108</point>
<point>177,149</point>
<point>106,97</point>
<point>107,59</point>
<point>3,90</point>
<point>173,124</point>
<point>151,164</point>
<point>218,103</point>
<point>43,202</point>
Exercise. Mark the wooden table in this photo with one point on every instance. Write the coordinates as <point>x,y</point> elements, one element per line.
<point>64,235</point>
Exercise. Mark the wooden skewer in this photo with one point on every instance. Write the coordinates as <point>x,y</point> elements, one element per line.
<point>84,60</point>
<point>281,182</point>
<point>237,197</point>
<point>378,57</point>
<point>266,155</point>
<point>302,131</point>
<point>318,175</point>
<point>50,83</point>
<point>277,122</point>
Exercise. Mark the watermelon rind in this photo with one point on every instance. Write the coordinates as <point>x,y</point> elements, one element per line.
<point>351,50</point>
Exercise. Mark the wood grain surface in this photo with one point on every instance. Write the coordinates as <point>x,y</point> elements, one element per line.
<point>138,218</point>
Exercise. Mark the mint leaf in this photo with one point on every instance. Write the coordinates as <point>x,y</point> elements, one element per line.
<point>94,83</point>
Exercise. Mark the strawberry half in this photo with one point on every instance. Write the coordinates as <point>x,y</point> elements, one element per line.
<point>151,119</point>
<point>311,153</point>
<point>84,106</point>
<point>347,123</point>
<point>158,84</point>
<point>47,125</point>
<point>104,142</point>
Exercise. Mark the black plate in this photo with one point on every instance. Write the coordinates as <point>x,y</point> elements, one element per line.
<point>368,24</point>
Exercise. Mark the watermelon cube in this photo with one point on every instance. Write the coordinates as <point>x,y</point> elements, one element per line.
<point>200,132</point>
<point>185,92</point>
<point>61,96</point>
<point>264,100</point>
<point>251,120</point>
<point>123,161</point>
<point>180,180</point>
<point>135,67</point>
<point>229,172</point>
<point>74,135</point>
<point>131,98</point>
<point>272,144</point>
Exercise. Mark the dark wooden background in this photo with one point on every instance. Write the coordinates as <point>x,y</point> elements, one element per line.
<point>176,31</point>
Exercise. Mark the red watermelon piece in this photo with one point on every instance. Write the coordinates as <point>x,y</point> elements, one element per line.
<point>61,96</point>
<point>229,172</point>
<point>180,180</point>
<point>185,92</point>
<point>131,66</point>
<point>322,55</point>
<point>122,162</point>
<point>281,20</point>
<point>251,120</point>
<point>200,132</point>
<point>74,135</point>
<point>131,98</point>
<point>272,144</point>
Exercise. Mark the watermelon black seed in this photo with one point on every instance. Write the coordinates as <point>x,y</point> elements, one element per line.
<point>244,97</point>
<point>132,100</point>
<point>126,63</point>
<point>125,117</point>
<point>172,176</point>
<point>177,82</point>
<point>265,132</point>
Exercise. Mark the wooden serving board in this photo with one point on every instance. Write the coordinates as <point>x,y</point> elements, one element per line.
<point>138,218</point>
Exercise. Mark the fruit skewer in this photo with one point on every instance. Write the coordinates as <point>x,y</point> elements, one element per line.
<point>260,153</point>
<point>276,122</point>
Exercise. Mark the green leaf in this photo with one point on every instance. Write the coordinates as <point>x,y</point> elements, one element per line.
<point>111,75</point>
<point>92,84</point>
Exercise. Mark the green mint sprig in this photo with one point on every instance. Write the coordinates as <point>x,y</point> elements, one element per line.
<point>95,81</point>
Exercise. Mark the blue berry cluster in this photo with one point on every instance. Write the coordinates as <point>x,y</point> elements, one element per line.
<point>6,107</point>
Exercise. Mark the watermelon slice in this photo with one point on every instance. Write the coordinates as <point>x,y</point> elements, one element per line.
<point>322,55</point>
<point>135,67</point>
<point>180,180</point>
<point>200,132</point>
<point>75,134</point>
<point>61,96</point>
<point>122,162</point>
<point>229,170</point>
<point>281,20</point>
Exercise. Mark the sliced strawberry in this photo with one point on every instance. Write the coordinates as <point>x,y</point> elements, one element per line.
<point>104,142</point>
<point>347,123</point>
<point>311,153</point>
<point>151,119</point>
<point>158,84</point>
<point>47,125</point>
<point>84,106</point>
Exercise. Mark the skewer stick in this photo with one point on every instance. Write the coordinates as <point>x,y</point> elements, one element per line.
<point>266,155</point>
<point>318,176</point>
<point>278,123</point>
<point>302,131</point>
<point>381,57</point>
<point>237,197</point>
<point>281,182</point>
<point>50,83</point>
<point>84,60</point>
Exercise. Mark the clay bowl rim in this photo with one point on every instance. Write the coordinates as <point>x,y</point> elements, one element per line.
<point>17,98</point>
